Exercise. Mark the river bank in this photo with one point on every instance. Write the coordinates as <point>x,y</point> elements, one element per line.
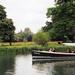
<point>27,47</point>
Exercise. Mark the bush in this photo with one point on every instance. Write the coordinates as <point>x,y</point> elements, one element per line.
<point>41,38</point>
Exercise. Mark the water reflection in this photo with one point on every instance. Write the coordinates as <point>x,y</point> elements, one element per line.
<point>64,68</point>
<point>42,69</point>
<point>22,65</point>
<point>15,65</point>
<point>6,65</point>
<point>55,68</point>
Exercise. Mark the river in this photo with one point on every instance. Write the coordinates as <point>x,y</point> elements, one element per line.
<point>23,65</point>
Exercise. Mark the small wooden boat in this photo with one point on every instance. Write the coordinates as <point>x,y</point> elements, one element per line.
<point>53,56</point>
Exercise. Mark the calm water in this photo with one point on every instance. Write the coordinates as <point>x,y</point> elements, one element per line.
<point>22,65</point>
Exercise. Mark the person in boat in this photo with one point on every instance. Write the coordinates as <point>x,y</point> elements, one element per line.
<point>69,50</point>
<point>51,50</point>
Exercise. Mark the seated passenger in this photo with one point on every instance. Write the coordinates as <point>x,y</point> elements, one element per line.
<point>51,50</point>
<point>69,51</point>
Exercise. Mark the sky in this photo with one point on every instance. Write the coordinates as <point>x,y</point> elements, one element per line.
<point>27,13</point>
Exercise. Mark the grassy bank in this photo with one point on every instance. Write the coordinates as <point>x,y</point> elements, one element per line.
<point>27,47</point>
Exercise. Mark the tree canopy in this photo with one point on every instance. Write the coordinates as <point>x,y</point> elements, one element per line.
<point>63,20</point>
<point>2,12</point>
<point>6,27</point>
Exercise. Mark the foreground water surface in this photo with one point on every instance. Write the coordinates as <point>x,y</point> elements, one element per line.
<point>23,65</point>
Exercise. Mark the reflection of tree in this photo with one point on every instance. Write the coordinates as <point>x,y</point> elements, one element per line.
<point>65,68</point>
<point>56,68</point>
<point>44,68</point>
<point>40,66</point>
<point>6,63</point>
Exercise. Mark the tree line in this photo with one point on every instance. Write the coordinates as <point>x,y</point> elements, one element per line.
<point>62,26</point>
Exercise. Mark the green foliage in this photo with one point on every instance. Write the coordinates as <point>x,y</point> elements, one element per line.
<point>41,38</point>
<point>64,1</point>
<point>7,30</point>
<point>28,47</point>
<point>20,36</point>
<point>47,27</point>
<point>25,35</point>
<point>63,20</point>
<point>2,12</point>
<point>6,27</point>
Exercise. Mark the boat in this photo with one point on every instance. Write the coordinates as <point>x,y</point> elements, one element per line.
<point>52,56</point>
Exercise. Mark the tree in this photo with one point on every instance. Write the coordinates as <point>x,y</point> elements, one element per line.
<point>63,19</point>
<point>25,35</point>
<point>47,27</point>
<point>2,12</point>
<point>6,27</point>
<point>19,36</point>
<point>7,30</point>
<point>63,1</point>
<point>41,38</point>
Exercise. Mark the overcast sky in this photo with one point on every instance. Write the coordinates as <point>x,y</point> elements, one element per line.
<point>27,13</point>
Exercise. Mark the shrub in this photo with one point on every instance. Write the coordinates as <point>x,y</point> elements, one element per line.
<point>41,38</point>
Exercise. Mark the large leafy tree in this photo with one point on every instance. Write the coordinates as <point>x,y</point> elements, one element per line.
<point>63,19</point>
<point>7,30</point>
<point>6,27</point>
<point>47,27</point>
<point>64,1</point>
<point>2,12</point>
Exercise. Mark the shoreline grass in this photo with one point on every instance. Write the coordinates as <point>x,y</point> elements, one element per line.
<point>27,47</point>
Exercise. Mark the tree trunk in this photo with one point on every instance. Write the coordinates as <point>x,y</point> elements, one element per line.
<point>10,41</point>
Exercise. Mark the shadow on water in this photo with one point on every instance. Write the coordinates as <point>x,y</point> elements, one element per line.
<point>64,68</point>
<point>6,65</point>
<point>56,67</point>
<point>7,60</point>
